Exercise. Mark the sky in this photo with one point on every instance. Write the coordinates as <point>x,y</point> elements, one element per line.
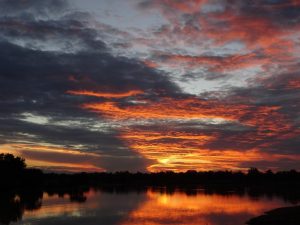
<point>150,85</point>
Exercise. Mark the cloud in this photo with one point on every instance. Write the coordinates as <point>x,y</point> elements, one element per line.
<point>214,63</point>
<point>35,80</point>
<point>178,135</point>
<point>67,83</point>
<point>30,7</point>
<point>186,108</point>
<point>106,95</point>
<point>51,157</point>
<point>224,36</point>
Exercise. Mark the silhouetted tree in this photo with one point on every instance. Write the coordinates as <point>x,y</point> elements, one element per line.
<point>253,172</point>
<point>10,163</point>
<point>11,170</point>
<point>11,209</point>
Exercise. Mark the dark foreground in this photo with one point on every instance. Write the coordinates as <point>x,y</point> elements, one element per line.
<point>15,174</point>
<point>281,216</point>
<point>24,191</point>
<point>124,205</point>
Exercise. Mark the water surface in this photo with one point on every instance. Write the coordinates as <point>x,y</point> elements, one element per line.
<point>148,207</point>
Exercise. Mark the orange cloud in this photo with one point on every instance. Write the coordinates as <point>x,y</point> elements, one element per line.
<point>168,108</point>
<point>55,158</point>
<point>150,64</point>
<point>266,43</point>
<point>177,152</point>
<point>182,151</point>
<point>261,117</point>
<point>106,94</point>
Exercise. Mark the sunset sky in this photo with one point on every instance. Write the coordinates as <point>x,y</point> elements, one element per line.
<point>151,85</point>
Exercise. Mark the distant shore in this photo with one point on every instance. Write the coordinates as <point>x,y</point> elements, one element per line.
<point>14,173</point>
<point>35,177</point>
<point>23,188</point>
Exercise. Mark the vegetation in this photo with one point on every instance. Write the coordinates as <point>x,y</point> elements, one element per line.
<point>9,162</point>
<point>22,188</point>
<point>13,172</point>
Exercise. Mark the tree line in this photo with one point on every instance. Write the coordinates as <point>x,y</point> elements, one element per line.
<point>14,173</point>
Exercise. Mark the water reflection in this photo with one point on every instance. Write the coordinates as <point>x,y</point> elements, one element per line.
<point>180,208</point>
<point>12,206</point>
<point>151,206</point>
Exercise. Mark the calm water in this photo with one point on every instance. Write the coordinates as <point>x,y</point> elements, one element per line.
<point>149,207</point>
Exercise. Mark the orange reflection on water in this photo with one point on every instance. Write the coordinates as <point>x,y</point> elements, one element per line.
<point>153,207</point>
<point>180,208</point>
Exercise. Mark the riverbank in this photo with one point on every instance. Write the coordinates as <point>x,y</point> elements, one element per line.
<point>280,216</point>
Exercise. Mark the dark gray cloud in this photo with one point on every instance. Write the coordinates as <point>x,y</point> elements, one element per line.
<point>279,12</point>
<point>35,77</point>
<point>32,8</point>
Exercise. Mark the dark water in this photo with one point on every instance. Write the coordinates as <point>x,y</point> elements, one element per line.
<point>148,207</point>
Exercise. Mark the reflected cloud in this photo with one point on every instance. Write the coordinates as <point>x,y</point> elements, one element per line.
<point>179,208</point>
